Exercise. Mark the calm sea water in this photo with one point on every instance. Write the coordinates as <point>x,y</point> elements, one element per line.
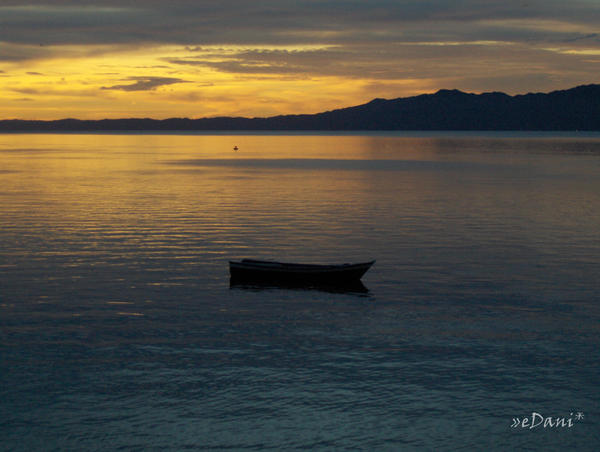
<point>119,329</point>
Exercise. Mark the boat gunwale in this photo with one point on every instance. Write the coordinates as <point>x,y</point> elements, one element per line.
<point>284,267</point>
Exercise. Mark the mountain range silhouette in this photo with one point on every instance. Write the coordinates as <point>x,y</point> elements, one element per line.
<point>572,109</point>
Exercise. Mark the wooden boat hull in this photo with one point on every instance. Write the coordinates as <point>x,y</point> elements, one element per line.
<point>249,270</point>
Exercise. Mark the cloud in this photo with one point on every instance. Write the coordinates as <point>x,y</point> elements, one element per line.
<point>52,91</point>
<point>387,48</point>
<point>26,90</point>
<point>236,22</point>
<point>394,61</point>
<point>145,83</point>
<point>10,52</point>
<point>591,36</point>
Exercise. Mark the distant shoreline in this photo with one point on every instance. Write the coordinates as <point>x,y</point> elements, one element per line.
<point>525,134</point>
<point>575,109</point>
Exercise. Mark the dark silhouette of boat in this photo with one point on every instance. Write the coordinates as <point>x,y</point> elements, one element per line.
<point>251,270</point>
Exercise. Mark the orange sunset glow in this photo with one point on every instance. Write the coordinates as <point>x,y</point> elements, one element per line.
<point>108,59</point>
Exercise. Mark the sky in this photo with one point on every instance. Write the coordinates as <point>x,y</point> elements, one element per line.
<point>194,58</point>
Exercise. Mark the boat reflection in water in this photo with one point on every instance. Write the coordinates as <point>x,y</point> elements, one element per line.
<point>355,287</point>
<point>256,274</point>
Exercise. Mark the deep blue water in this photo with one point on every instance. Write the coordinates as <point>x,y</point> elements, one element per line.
<point>119,329</point>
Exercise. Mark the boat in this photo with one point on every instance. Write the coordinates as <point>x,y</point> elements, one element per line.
<point>252,270</point>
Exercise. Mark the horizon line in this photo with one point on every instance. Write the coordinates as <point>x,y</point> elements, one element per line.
<point>439,91</point>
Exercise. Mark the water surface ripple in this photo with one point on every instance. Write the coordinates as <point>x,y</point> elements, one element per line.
<point>119,328</point>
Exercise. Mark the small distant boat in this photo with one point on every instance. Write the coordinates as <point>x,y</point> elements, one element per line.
<point>251,270</point>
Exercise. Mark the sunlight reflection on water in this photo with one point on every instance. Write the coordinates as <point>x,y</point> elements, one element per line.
<point>119,327</point>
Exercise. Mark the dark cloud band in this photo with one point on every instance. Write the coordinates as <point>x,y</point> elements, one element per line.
<point>145,83</point>
<point>237,22</point>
